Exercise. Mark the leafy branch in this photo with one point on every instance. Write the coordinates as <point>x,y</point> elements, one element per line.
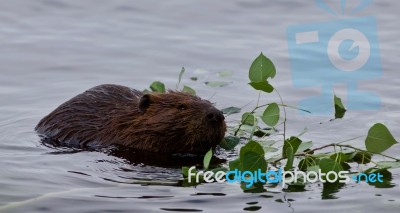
<point>251,155</point>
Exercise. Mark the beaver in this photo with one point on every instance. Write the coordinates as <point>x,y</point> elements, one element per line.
<point>108,114</point>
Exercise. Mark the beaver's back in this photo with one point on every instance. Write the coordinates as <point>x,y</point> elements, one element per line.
<point>80,120</point>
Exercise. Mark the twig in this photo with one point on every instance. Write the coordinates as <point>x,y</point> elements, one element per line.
<point>284,119</point>
<point>338,145</point>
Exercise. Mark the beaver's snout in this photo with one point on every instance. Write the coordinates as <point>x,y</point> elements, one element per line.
<point>215,116</point>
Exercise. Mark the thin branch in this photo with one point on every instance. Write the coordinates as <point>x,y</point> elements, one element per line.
<point>284,112</point>
<point>336,145</point>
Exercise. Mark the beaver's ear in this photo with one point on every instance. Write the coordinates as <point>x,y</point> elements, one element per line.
<point>145,102</point>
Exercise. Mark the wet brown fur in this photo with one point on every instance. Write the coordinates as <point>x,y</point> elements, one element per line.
<point>173,122</point>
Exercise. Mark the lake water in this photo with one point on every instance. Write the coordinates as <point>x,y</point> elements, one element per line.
<point>51,51</point>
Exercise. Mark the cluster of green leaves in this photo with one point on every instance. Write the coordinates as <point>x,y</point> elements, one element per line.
<point>159,87</point>
<point>295,153</point>
<point>256,125</point>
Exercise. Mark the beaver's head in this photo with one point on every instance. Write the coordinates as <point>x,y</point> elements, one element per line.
<point>177,122</point>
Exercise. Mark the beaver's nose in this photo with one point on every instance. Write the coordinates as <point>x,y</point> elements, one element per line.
<point>215,116</point>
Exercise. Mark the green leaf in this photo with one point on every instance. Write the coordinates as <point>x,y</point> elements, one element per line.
<point>225,74</point>
<point>307,162</point>
<point>362,157</point>
<point>379,138</point>
<point>339,107</point>
<point>290,147</point>
<point>247,128</point>
<point>236,164</point>
<point>375,170</point>
<point>230,142</point>
<point>290,158</point>
<point>248,119</point>
<point>157,86</point>
<point>185,171</point>
<point>271,115</point>
<point>327,164</point>
<point>193,78</point>
<point>339,157</point>
<point>293,143</point>
<point>252,161</point>
<point>207,159</point>
<point>389,164</point>
<point>261,69</point>
<point>180,77</point>
<point>230,110</point>
<point>268,146</point>
<point>252,146</point>
<point>252,157</point>
<point>304,146</point>
<point>270,149</point>
<point>188,90</point>
<point>263,86</point>
<point>267,143</point>
<point>314,168</point>
<point>217,83</point>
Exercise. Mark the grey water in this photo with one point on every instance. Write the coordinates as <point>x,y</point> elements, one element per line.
<point>52,50</point>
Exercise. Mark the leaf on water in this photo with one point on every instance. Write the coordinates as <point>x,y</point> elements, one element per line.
<point>185,171</point>
<point>307,162</point>
<point>261,69</point>
<point>207,159</point>
<point>253,147</point>
<point>189,90</point>
<point>180,77</point>
<point>388,164</point>
<point>293,143</point>
<point>362,157</point>
<point>157,86</point>
<point>252,157</point>
<point>267,143</point>
<point>379,138</point>
<point>263,86</point>
<point>339,157</point>
<point>270,149</point>
<point>327,164</point>
<point>271,115</point>
<point>230,142</point>
<point>236,164</point>
<point>252,161</point>
<point>230,110</point>
<point>314,168</point>
<point>262,132</point>
<point>248,119</point>
<point>290,158</point>
<point>217,83</point>
<point>339,107</point>
<point>290,147</point>
<point>304,146</point>
<point>225,74</point>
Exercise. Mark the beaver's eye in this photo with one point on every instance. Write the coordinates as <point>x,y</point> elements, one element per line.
<point>182,107</point>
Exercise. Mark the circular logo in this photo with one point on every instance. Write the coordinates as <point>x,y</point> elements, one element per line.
<point>348,49</point>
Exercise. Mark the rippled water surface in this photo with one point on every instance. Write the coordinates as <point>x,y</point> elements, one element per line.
<point>53,50</point>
